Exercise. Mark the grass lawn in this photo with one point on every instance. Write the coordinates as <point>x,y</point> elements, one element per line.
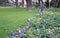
<point>12,18</point>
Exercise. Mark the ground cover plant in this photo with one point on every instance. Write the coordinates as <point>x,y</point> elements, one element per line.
<point>13,18</point>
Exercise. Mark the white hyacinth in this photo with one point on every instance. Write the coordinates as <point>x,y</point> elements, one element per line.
<point>19,31</point>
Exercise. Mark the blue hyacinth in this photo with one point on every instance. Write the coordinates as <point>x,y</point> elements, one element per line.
<point>11,33</point>
<point>30,20</point>
<point>27,24</point>
<point>23,30</point>
<point>20,35</point>
<point>12,37</point>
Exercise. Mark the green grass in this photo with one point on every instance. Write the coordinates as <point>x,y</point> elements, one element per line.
<point>12,18</point>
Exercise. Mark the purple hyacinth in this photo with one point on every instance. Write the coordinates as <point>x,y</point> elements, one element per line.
<point>20,35</point>
<point>13,37</point>
<point>11,33</point>
<point>41,8</point>
<point>23,30</point>
<point>28,24</point>
<point>30,20</point>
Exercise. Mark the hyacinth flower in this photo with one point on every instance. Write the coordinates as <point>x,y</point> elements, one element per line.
<point>27,24</point>
<point>12,37</point>
<point>19,31</point>
<point>20,35</point>
<point>30,21</point>
<point>22,32</point>
<point>41,8</point>
<point>11,33</point>
<point>23,29</point>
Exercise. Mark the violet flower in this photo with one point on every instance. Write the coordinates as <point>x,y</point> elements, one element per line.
<point>30,20</point>
<point>13,37</point>
<point>27,24</point>
<point>11,33</point>
<point>23,30</point>
<point>20,35</point>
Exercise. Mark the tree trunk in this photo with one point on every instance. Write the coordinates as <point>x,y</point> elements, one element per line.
<point>39,2</point>
<point>22,3</point>
<point>29,4</point>
<point>55,3</point>
<point>16,3</point>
